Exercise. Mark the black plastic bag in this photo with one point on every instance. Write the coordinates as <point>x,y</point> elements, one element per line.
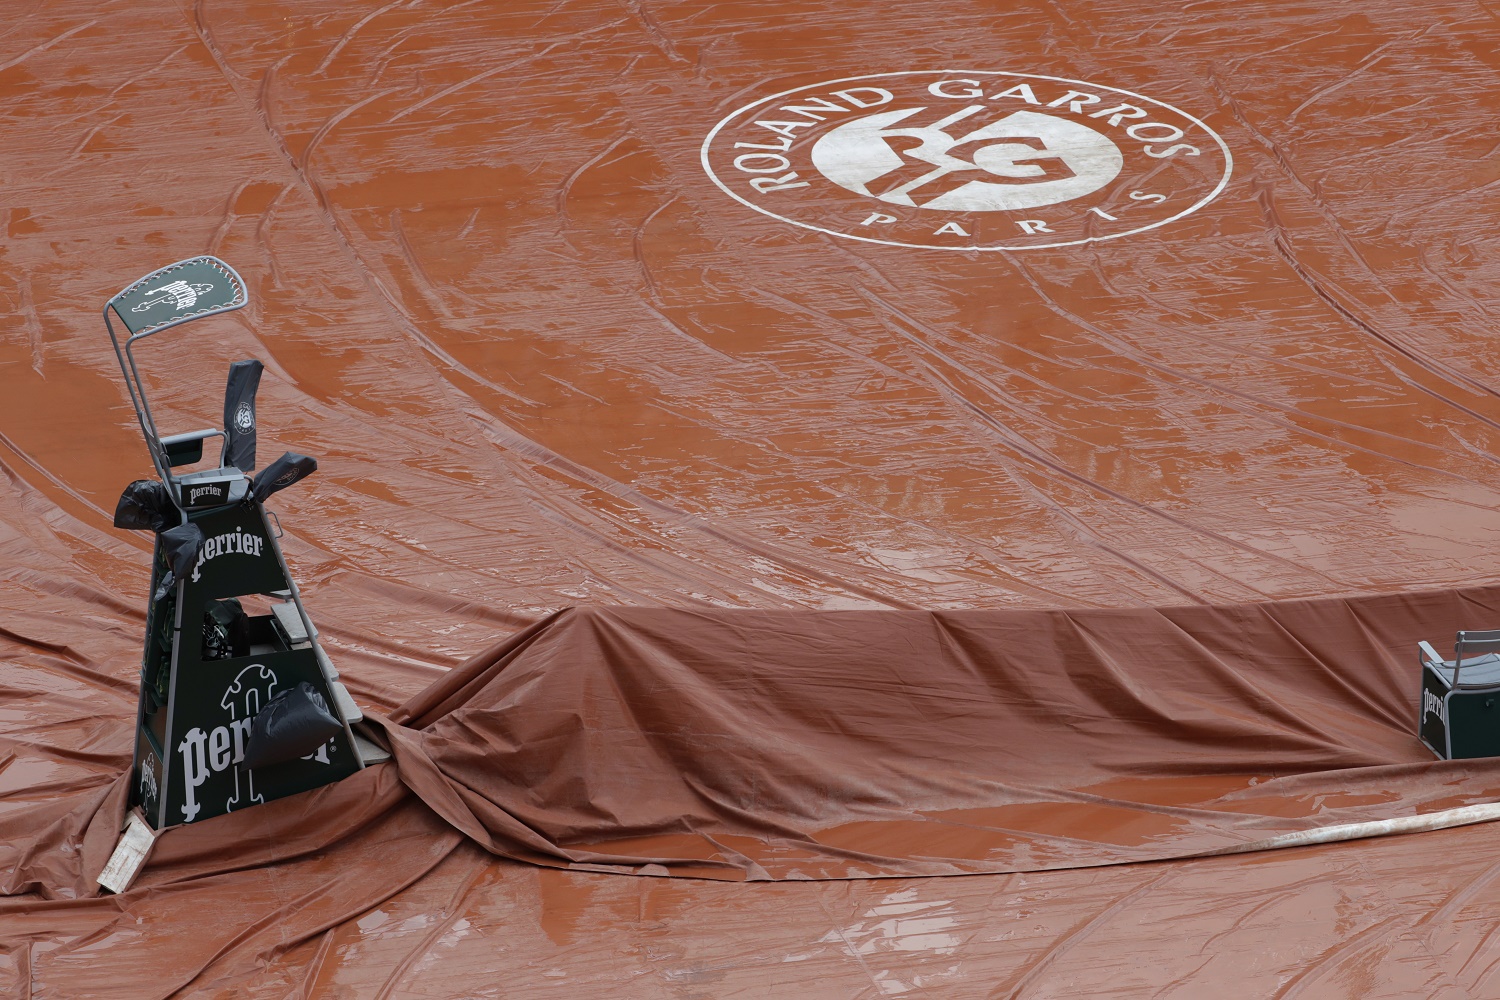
<point>280,474</point>
<point>293,724</point>
<point>145,505</point>
<point>181,546</point>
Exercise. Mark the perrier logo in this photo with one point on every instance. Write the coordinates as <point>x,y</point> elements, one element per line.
<point>967,160</point>
<point>177,294</point>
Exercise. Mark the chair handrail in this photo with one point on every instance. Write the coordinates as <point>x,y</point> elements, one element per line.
<point>202,435</point>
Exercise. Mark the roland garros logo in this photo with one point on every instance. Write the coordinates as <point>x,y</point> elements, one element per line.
<point>967,160</point>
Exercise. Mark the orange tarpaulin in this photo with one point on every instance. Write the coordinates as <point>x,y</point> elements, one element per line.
<point>578,387</point>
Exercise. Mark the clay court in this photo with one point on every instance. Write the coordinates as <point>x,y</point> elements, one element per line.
<point>820,500</point>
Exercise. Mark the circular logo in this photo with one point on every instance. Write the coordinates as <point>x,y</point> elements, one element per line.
<point>967,160</point>
<point>244,417</point>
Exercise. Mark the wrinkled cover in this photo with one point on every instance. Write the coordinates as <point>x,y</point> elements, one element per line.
<point>813,745</point>
<point>769,744</point>
<point>552,363</point>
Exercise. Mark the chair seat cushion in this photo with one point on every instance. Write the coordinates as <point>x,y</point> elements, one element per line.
<point>1478,671</point>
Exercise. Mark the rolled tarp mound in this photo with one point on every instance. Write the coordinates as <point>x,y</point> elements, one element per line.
<point>744,744</point>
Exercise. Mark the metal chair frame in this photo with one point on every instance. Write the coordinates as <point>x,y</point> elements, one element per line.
<point>155,443</point>
<point>1467,643</point>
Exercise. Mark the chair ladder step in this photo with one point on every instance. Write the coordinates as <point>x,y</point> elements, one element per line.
<point>347,709</point>
<point>368,752</point>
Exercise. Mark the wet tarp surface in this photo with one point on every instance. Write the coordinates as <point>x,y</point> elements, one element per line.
<point>801,544</point>
<point>774,744</point>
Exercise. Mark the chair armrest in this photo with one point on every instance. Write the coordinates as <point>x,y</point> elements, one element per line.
<point>185,449</point>
<point>1429,655</point>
